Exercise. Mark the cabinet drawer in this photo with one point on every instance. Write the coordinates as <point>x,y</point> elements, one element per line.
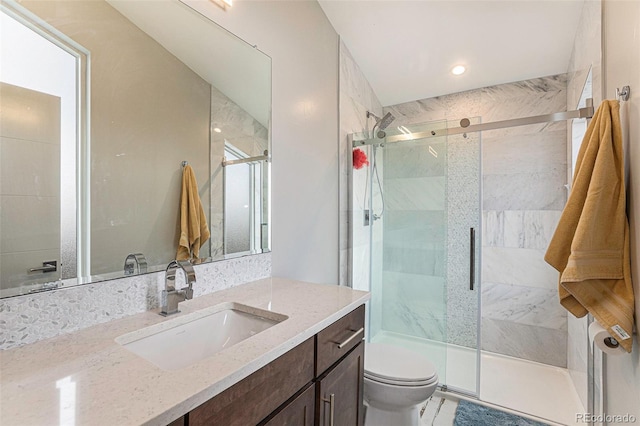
<point>255,397</point>
<point>338,339</point>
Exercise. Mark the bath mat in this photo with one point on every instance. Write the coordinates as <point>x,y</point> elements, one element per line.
<point>470,414</point>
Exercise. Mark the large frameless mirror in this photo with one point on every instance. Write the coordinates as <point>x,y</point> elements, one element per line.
<point>102,105</point>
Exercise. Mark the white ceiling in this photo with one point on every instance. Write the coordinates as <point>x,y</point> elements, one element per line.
<point>406,49</point>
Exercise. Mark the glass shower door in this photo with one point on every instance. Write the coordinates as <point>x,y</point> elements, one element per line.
<point>423,210</point>
<point>409,248</point>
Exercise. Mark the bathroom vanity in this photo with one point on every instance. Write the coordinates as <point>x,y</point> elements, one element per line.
<point>304,370</point>
<point>322,378</point>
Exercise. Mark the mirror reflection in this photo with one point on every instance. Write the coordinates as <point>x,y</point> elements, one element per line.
<point>103,106</point>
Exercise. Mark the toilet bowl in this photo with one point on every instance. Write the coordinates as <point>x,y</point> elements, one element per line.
<point>397,381</point>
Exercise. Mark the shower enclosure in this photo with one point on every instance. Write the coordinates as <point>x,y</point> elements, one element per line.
<point>418,202</point>
<point>448,227</point>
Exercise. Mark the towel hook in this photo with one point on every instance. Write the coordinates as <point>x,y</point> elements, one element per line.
<point>184,163</point>
<point>623,94</point>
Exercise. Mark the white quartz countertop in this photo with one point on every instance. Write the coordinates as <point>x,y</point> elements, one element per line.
<point>86,378</point>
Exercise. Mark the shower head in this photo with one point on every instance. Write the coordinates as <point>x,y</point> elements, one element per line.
<point>385,121</point>
<point>381,123</point>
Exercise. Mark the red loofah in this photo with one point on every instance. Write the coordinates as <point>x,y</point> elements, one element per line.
<point>359,159</point>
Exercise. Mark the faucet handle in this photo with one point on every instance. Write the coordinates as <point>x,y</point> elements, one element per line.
<point>188,293</point>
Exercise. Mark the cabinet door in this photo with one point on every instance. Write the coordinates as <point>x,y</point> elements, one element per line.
<point>255,397</point>
<point>339,392</point>
<point>177,422</point>
<point>299,412</point>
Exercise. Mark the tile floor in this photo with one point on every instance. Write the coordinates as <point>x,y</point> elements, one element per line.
<point>440,411</point>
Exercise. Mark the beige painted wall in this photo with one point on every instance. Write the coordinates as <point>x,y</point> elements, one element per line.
<point>149,112</point>
<point>621,28</point>
<point>304,129</point>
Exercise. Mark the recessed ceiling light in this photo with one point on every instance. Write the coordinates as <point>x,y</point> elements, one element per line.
<point>458,69</point>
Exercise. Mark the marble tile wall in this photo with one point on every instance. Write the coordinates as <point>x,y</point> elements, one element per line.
<point>524,171</point>
<point>586,56</point>
<point>30,318</point>
<point>519,294</point>
<point>356,98</point>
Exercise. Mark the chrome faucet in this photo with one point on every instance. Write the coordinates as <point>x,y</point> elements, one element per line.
<point>170,295</point>
<point>133,261</point>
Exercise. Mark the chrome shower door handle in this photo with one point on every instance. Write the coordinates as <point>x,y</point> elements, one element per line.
<point>331,401</point>
<point>472,257</point>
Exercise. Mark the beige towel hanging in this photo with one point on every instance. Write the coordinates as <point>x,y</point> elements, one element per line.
<point>194,231</point>
<point>590,247</point>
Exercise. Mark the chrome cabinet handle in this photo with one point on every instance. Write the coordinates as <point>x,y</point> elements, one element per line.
<point>50,266</point>
<point>350,338</point>
<point>331,401</point>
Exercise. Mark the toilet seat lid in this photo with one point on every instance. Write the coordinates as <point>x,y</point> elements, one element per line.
<point>401,382</point>
<point>393,363</point>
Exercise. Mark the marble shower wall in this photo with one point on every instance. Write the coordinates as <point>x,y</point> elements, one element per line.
<point>524,172</point>
<point>356,98</point>
<point>586,55</point>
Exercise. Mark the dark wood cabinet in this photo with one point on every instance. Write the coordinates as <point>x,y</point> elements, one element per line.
<point>339,392</point>
<point>299,412</point>
<point>255,397</point>
<point>178,422</point>
<point>335,341</point>
<point>296,389</point>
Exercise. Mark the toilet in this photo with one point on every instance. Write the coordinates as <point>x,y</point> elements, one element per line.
<point>397,382</point>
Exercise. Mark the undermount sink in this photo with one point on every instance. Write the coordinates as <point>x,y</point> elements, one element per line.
<point>187,339</point>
